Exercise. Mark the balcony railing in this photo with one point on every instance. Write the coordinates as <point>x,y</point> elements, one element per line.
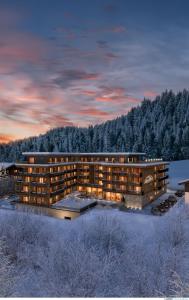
<point>163,178</point>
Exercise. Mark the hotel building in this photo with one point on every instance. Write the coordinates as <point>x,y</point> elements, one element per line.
<point>45,178</point>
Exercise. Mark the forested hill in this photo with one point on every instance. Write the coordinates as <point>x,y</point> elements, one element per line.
<point>160,128</point>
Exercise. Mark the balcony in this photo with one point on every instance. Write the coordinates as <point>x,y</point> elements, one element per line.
<point>163,178</point>
<point>89,184</point>
<point>46,174</point>
<point>162,170</point>
<point>32,183</point>
<point>39,193</point>
<point>116,190</point>
<point>83,176</point>
<point>61,172</point>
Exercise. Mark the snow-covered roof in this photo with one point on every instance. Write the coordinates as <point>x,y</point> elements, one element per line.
<point>5,165</point>
<point>100,163</point>
<point>142,164</point>
<point>75,204</point>
<point>184,181</point>
<point>82,154</point>
<point>45,165</point>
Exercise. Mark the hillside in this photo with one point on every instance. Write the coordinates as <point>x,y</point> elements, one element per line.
<point>105,253</point>
<point>160,128</point>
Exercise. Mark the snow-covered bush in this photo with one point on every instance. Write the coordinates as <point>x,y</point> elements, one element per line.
<point>102,253</point>
<point>6,272</point>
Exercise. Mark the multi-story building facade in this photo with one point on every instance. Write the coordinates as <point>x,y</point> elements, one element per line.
<point>45,178</point>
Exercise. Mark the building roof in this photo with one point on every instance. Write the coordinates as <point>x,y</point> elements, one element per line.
<point>184,181</point>
<point>81,154</point>
<point>142,164</point>
<point>5,165</point>
<point>26,164</point>
<point>75,204</point>
<point>101,163</point>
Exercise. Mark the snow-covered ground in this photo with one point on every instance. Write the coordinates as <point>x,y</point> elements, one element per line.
<point>178,171</point>
<point>105,253</point>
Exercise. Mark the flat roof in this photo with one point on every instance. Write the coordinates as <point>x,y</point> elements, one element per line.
<point>184,181</point>
<point>81,154</point>
<point>6,165</point>
<point>142,164</point>
<point>75,204</point>
<point>45,165</point>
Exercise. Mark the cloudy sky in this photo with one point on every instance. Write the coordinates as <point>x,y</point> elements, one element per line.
<point>82,62</point>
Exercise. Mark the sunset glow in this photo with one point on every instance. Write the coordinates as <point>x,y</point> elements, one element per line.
<point>84,62</point>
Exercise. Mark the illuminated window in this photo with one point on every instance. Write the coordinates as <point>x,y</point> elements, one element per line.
<point>41,179</point>
<point>25,188</point>
<point>25,199</point>
<point>29,170</point>
<point>138,189</point>
<point>27,179</point>
<point>89,189</point>
<point>31,160</point>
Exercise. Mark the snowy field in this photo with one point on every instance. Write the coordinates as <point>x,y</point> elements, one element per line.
<point>106,253</point>
<point>178,171</point>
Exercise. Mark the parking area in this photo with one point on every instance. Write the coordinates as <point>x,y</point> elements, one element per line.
<point>163,204</point>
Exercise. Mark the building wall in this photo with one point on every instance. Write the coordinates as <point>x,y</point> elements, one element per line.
<point>46,184</point>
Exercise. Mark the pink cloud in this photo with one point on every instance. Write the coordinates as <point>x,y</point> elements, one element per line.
<point>115,95</point>
<point>118,29</point>
<point>21,47</point>
<point>92,112</point>
<point>87,92</point>
<point>150,94</point>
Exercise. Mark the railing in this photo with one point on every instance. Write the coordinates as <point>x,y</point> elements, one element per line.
<point>31,182</point>
<point>163,178</point>
<point>153,160</point>
<point>122,173</point>
<point>125,191</point>
<point>162,170</point>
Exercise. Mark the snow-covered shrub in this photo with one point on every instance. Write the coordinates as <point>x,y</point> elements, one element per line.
<point>6,272</point>
<point>102,253</point>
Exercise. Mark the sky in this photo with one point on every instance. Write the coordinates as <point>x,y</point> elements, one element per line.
<point>82,62</point>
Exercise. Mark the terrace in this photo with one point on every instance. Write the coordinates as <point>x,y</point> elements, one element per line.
<point>74,203</point>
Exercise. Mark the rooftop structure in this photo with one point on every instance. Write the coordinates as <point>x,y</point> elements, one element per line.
<point>75,204</point>
<point>44,178</point>
<point>82,154</point>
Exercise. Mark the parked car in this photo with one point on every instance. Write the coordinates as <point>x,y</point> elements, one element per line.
<point>164,206</point>
<point>179,193</point>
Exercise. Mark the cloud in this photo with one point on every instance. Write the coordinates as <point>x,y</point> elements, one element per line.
<point>93,112</point>
<point>115,95</point>
<point>88,32</point>
<point>118,29</point>
<point>150,94</point>
<point>111,56</point>
<point>66,78</point>
<point>84,92</point>
<point>102,44</point>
